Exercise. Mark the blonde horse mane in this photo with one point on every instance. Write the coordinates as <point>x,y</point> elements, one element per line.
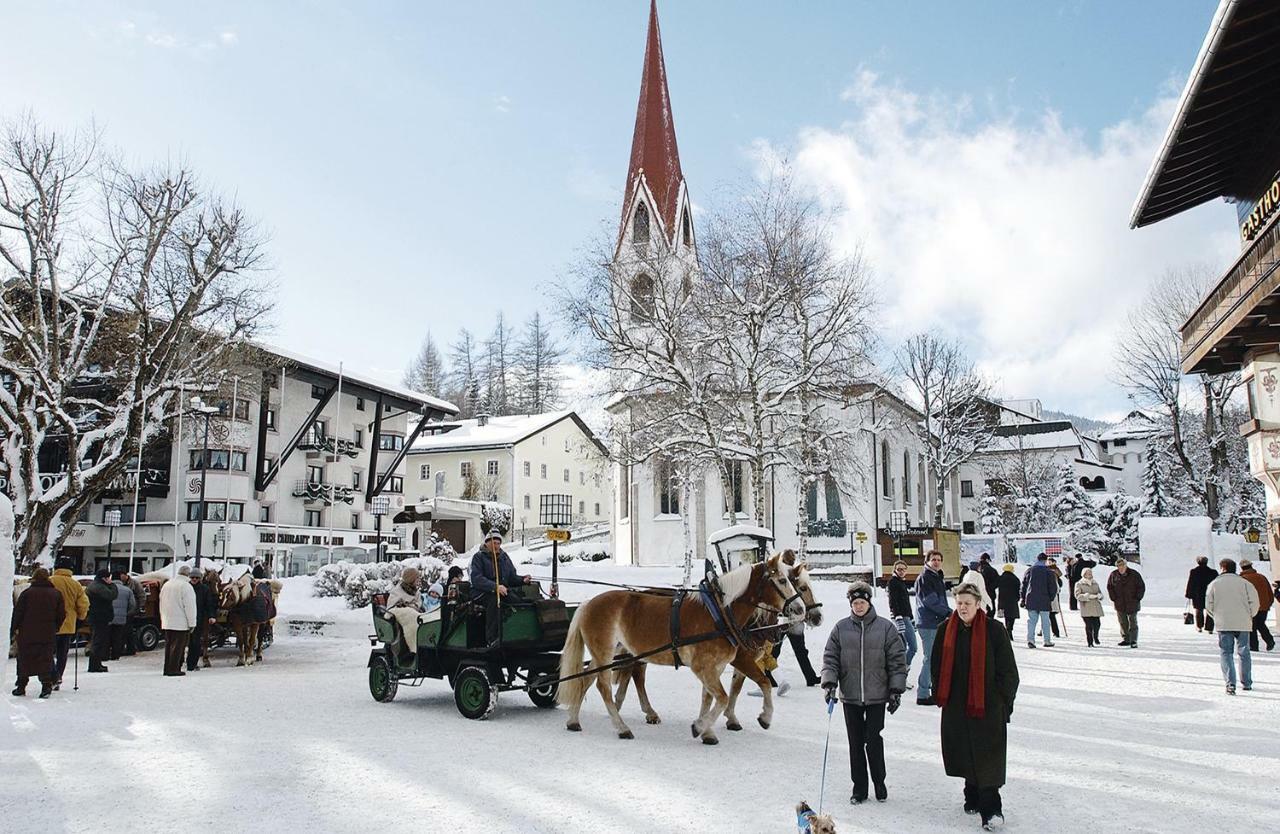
<point>735,583</point>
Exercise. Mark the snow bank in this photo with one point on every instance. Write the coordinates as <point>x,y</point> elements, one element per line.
<point>6,579</point>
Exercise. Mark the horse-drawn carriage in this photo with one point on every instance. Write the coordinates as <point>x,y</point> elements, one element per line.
<point>450,644</point>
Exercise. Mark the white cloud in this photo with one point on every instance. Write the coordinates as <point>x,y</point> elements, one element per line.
<point>1011,235</point>
<point>164,40</point>
<point>228,38</point>
<point>502,104</point>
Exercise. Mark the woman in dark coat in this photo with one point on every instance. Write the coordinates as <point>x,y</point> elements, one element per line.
<point>977,681</point>
<point>36,617</point>
<point>1010,590</point>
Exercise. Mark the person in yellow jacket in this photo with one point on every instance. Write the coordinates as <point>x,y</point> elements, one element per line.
<point>76,605</point>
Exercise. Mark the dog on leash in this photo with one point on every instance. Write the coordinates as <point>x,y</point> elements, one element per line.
<point>809,821</point>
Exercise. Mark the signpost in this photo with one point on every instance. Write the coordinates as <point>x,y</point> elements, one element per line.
<point>899,525</point>
<point>555,512</point>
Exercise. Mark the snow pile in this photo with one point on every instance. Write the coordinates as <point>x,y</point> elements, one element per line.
<point>357,583</point>
<point>6,577</point>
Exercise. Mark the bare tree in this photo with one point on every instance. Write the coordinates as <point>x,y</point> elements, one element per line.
<point>426,373</point>
<point>954,401</point>
<point>123,287</point>
<point>539,357</point>
<point>1149,364</point>
<point>498,366</point>
<point>464,373</point>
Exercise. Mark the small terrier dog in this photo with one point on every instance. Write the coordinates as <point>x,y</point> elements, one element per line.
<point>809,821</point>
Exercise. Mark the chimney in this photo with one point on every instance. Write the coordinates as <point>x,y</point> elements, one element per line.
<point>482,419</point>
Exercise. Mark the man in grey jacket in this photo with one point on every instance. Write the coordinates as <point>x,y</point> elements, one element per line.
<point>1232,601</point>
<point>866,661</point>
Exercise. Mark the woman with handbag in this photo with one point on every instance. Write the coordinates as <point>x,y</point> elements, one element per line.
<point>1089,599</point>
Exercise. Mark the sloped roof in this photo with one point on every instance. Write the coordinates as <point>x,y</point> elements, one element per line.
<point>655,158</point>
<point>1136,424</point>
<point>497,433</point>
<point>359,383</point>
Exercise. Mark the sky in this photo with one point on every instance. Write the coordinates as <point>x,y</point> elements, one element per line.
<point>421,166</point>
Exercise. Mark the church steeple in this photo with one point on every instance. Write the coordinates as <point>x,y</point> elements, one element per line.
<point>654,174</point>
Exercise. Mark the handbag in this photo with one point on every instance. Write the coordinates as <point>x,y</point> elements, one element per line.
<point>1187,619</point>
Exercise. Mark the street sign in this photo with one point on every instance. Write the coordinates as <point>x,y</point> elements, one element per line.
<point>862,537</point>
<point>558,535</point>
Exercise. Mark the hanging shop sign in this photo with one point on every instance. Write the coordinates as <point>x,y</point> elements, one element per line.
<point>1263,208</point>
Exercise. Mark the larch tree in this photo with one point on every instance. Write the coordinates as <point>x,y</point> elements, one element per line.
<point>540,360</point>
<point>427,373</point>
<point>123,286</point>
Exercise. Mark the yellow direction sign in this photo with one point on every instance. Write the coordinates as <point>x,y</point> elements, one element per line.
<point>862,537</point>
<point>558,535</point>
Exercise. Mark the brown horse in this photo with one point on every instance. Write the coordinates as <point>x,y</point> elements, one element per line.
<point>242,617</point>
<point>748,661</point>
<point>640,623</point>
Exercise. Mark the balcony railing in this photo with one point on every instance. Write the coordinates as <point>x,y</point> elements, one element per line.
<point>828,527</point>
<point>319,491</point>
<point>332,446</point>
<point>155,483</point>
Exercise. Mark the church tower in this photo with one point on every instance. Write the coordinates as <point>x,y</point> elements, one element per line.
<point>656,219</point>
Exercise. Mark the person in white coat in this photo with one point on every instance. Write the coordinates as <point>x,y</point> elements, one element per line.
<point>177,617</point>
<point>1232,601</point>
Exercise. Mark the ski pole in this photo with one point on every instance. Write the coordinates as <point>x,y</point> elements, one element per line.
<point>822,788</point>
<point>75,670</point>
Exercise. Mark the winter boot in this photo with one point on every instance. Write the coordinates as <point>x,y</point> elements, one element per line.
<point>1231,690</point>
<point>882,792</point>
<point>46,690</point>
<point>20,691</point>
<point>1030,645</point>
<point>993,822</point>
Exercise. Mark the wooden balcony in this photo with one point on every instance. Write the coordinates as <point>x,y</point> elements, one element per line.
<point>1242,312</point>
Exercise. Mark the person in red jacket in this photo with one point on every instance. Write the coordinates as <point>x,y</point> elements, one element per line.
<point>1265,598</point>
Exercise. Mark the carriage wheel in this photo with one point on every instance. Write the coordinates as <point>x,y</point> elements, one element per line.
<point>148,638</point>
<point>544,697</point>
<point>475,697</point>
<point>383,683</point>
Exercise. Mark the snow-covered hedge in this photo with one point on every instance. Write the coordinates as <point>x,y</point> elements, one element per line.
<point>359,582</point>
<point>586,552</point>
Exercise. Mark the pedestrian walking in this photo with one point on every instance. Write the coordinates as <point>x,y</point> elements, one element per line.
<point>1265,599</point>
<point>795,636</point>
<point>1055,604</point>
<point>865,667</point>
<point>76,605</point>
<point>1233,602</point>
<point>1089,596</point>
<point>932,610</point>
<point>977,682</point>
<point>259,569</point>
<point>1075,569</point>
<point>102,593</point>
<point>900,611</point>
<point>177,618</point>
<point>206,615</point>
<point>1010,590</point>
<point>1126,589</point>
<point>37,615</point>
<point>123,607</point>
<point>990,578</point>
<point>1038,590</point>
<point>140,598</point>
<point>1197,584</point>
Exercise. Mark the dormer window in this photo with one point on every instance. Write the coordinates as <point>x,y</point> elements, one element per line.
<point>640,225</point>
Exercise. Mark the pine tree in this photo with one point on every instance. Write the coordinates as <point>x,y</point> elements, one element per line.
<point>990,519</point>
<point>1074,513</point>
<point>426,373</point>
<point>1156,489</point>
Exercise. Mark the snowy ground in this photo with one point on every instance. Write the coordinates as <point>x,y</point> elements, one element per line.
<point>1103,740</point>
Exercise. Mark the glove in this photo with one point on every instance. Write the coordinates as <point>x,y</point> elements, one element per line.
<point>895,701</point>
<point>830,693</point>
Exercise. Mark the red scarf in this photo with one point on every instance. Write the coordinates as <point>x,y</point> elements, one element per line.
<point>975,705</point>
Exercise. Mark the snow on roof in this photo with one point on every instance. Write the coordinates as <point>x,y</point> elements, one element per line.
<point>497,432</point>
<point>363,379</point>
<point>1043,436</point>
<point>745,530</point>
<point>1135,425</point>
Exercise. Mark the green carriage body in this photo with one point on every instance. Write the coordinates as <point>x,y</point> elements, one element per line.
<point>452,646</point>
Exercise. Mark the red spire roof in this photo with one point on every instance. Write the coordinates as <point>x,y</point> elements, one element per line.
<point>653,146</point>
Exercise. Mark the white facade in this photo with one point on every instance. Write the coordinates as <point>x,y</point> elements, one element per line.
<point>1125,445</point>
<point>514,460</point>
<point>313,510</point>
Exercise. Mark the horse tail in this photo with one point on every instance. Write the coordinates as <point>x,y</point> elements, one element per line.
<point>571,692</point>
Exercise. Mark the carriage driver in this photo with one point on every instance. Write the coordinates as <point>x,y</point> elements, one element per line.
<point>484,581</point>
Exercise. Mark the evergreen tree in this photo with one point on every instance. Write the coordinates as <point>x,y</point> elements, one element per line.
<point>990,519</point>
<point>1157,499</point>
<point>426,374</point>
<point>1074,513</point>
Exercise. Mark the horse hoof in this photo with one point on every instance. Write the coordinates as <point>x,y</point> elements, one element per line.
<point>763,724</point>
<point>574,728</point>
<point>693,728</point>
<point>626,734</point>
<point>710,740</point>
<point>652,719</point>
<point>735,726</point>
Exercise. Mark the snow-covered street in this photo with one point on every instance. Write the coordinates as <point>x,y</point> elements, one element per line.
<point>1102,740</point>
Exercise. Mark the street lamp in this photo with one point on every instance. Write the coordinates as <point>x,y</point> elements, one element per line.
<point>111,518</point>
<point>899,523</point>
<point>381,504</point>
<point>206,411</point>
<point>220,536</point>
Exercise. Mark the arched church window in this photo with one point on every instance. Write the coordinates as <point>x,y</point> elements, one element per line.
<point>640,225</point>
<point>686,228</point>
<point>642,298</point>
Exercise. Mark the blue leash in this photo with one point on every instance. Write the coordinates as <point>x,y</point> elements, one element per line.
<point>822,789</point>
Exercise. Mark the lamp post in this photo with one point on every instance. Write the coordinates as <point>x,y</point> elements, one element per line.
<point>220,537</point>
<point>206,411</point>
<point>111,518</point>
<point>380,506</point>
